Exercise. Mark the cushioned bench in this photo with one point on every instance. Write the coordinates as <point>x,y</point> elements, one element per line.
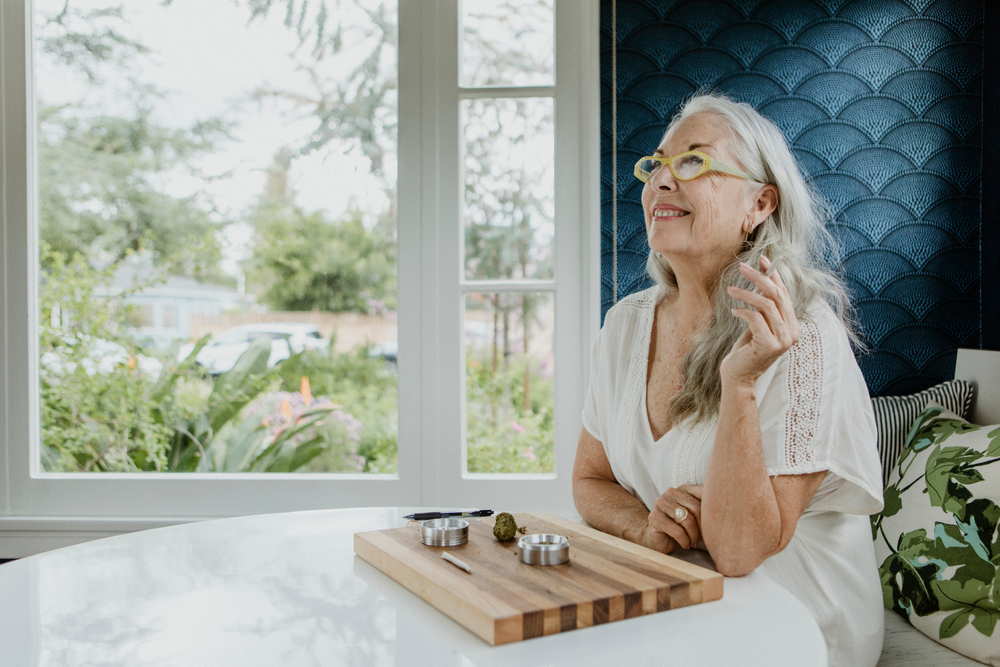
<point>904,644</point>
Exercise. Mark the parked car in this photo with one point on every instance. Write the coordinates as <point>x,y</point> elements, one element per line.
<point>388,351</point>
<point>287,338</point>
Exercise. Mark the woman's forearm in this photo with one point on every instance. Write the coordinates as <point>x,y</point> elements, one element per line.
<point>599,498</point>
<point>607,506</point>
<point>740,521</point>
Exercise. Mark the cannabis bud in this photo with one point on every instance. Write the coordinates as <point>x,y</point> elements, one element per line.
<point>505,527</point>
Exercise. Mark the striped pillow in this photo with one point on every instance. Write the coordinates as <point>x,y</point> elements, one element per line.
<point>894,416</point>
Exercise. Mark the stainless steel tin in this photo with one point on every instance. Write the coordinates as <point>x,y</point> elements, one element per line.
<point>543,549</point>
<point>444,532</point>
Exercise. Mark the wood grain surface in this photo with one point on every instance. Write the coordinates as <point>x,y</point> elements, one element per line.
<point>503,600</point>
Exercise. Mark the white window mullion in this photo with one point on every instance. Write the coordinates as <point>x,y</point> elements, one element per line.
<point>577,196</point>
<point>441,323</point>
<point>506,93</point>
<point>574,217</point>
<point>508,286</point>
<point>588,100</point>
<point>20,387</point>
<point>412,276</point>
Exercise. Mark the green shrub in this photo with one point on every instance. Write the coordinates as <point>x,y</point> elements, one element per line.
<point>251,418</point>
<point>104,410</point>
<point>97,410</point>
<point>366,387</point>
<point>502,433</point>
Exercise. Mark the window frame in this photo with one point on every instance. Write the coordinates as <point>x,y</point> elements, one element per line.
<point>41,510</point>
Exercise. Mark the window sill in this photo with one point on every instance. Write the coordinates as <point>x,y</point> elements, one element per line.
<point>28,536</point>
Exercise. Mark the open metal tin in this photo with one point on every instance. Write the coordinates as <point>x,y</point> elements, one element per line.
<point>444,532</point>
<point>543,549</point>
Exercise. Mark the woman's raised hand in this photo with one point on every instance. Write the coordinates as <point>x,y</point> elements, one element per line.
<point>771,329</point>
<point>669,527</point>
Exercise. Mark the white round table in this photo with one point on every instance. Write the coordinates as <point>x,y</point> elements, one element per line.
<point>287,590</point>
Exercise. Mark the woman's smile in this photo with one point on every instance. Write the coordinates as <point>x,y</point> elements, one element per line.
<point>664,210</point>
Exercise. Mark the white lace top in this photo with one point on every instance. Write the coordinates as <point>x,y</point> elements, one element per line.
<point>815,415</point>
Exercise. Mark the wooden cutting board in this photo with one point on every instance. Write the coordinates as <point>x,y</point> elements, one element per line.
<point>503,600</point>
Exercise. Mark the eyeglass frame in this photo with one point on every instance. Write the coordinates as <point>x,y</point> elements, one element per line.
<point>711,164</point>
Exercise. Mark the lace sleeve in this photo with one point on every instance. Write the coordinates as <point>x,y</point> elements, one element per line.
<point>816,415</point>
<point>805,395</point>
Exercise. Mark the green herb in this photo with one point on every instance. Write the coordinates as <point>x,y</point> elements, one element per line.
<point>505,527</point>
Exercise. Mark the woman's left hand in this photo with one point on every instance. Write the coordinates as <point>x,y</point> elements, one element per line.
<point>771,329</point>
<point>686,531</point>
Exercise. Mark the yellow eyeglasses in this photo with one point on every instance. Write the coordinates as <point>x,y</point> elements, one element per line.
<point>685,167</point>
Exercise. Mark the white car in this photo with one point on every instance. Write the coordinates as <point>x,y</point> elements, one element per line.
<point>287,338</point>
<point>388,350</point>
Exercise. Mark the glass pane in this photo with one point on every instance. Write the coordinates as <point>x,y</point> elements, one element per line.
<point>509,43</point>
<point>509,189</point>
<point>509,382</point>
<point>209,303</point>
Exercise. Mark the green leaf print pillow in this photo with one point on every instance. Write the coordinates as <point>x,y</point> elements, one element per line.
<point>937,538</point>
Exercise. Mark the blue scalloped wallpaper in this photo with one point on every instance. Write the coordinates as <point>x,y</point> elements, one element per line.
<point>882,102</point>
<point>991,186</point>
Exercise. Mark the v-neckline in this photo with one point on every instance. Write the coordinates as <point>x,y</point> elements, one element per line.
<point>649,426</point>
<point>660,295</point>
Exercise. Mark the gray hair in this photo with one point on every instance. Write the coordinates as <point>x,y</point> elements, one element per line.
<point>794,238</point>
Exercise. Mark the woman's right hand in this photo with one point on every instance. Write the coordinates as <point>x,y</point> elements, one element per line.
<point>656,540</point>
<point>663,531</point>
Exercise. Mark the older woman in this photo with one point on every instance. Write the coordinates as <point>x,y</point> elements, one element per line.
<point>725,406</point>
